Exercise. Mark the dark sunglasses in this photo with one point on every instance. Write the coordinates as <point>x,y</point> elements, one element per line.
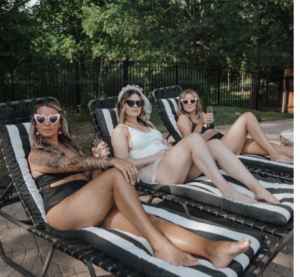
<point>192,101</point>
<point>131,103</point>
<point>41,119</point>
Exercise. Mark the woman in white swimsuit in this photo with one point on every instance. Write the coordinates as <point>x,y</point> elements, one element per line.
<point>139,142</point>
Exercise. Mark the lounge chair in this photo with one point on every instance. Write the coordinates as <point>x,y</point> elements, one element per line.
<point>12,113</point>
<point>166,101</point>
<point>119,252</point>
<point>203,195</point>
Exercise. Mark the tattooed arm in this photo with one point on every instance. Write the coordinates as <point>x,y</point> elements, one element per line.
<point>43,162</point>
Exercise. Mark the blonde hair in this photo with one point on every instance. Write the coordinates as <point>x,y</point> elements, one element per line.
<point>198,104</point>
<point>65,138</point>
<point>121,108</point>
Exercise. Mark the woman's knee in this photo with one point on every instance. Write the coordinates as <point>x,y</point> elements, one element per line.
<point>112,175</point>
<point>248,116</point>
<point>194,138</point>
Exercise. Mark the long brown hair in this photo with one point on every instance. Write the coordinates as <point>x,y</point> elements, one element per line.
<point>121,108</point>
<point>65,138</point>
<point>198,104</point>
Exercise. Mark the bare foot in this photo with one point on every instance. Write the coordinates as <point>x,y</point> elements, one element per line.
<point>282,158</point>
<point>262,194</point>
<point>235,195</point>
<point>170,253</point>
<point>224,251</point>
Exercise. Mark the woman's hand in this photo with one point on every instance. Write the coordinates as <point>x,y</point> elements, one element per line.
<point>102,149</point>
<point>207,118</point>
<point>129,170</point>
<point>160,153</point>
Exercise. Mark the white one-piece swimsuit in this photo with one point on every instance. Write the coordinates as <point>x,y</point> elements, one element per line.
<point>145,145</point>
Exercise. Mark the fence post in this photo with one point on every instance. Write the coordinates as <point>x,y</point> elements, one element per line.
<point>176,65</point>
<point>77,86</point>
<point>219,82</point>
<point>125,71</point>
<point>12,81</point>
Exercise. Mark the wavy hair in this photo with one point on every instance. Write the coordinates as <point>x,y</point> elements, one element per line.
<point>121,108</point>
<point>198,104</point>
<point>65,138</point>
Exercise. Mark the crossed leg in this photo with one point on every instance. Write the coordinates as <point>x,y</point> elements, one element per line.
<point>99,202</point>
<point>236,140</point>
<point>220,253</point>
<point>194,156</point>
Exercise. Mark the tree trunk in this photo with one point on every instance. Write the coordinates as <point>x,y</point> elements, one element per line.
<point>243,82</point>
<point>255,81</point>
<point>255,84</point>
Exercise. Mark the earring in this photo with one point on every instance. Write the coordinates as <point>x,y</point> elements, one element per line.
<point>37,132</point>
<point>59,131</point>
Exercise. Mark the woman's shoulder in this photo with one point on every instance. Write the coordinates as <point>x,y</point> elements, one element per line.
<point>120,129</point>
<point>36,155</point>
<point>183,118</point>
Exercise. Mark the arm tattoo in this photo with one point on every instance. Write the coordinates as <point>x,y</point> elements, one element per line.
<point>107,162</point>
<point>52,163</point>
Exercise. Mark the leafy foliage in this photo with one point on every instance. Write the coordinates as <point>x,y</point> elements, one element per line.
<point>248,34</point>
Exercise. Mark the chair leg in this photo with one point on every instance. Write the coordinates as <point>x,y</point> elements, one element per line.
<point>150,199</point>
<point>48,260</point>
<point>91,269</point>
<point>186,210</point>
<point>13,264</point>
<point>281,245</point>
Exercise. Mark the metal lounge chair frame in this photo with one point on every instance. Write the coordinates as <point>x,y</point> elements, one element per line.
<point>85,253</point>
<point>285,232</point>
<point>88,254</point>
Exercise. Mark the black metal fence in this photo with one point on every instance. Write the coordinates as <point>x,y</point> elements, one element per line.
<point>68,82</point>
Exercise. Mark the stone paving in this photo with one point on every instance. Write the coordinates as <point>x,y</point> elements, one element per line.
<point>30,251</point>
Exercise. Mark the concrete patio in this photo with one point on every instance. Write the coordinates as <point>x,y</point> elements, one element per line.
<point>30,251</point>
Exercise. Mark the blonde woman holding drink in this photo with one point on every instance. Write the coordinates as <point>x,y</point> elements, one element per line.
<point>191,119</point>
<point>137,140</point>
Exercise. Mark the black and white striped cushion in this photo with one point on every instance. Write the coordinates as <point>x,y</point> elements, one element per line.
<point>16,145</point>
<point>204,191</point>
<point>266,163</point>
<point>107,120</point>
<point>137,253</point>
<point>131,250</point>
<point>168,111</point>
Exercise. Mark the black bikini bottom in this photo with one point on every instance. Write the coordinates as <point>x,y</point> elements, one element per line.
<point>53,196</point>
<point>216,136</point>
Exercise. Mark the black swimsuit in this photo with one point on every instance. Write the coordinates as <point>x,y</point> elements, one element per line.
<point>216,136</point>
<point>53,196</point>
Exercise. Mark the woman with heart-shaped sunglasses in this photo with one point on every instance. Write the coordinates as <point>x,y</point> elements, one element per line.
<point>191,119</point>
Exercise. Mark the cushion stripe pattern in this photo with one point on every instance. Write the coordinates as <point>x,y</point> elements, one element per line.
<point>204,191</point>
<point>168,111</point>
<point>131,250</point>
<point>266,163</point>
<point>15,141</point>
<point>107,120</point>
<point>136,252</point>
